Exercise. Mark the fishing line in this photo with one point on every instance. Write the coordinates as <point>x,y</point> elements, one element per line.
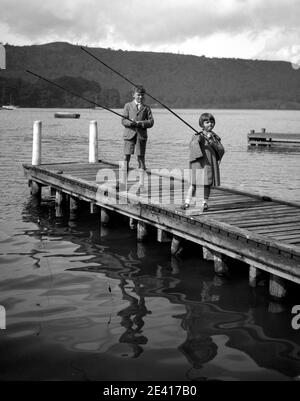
<point>132,83</point>
<point>79,96</point>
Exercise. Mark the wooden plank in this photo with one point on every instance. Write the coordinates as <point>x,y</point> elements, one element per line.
<point>278,229</point>
<point>251,218</point>
<point>249,213</point>
<point>264,206</point>
<point>261,197</point>
<point>268,221</point>
<point>283,236</point>
<point>233,207</point>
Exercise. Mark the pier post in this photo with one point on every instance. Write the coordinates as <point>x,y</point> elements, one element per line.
<point>36,190</point>
<point>162,236</point>
<point>104,216</point>
<point>59,197</point>
<point>207,253</point>
<point>253,275</point>
<point>58,203</point>
<point>74,206</point>
<point>220,265</point>
<point>132,223</point>
<point>277,287</point>
<point>142,231</point>
<point>93,142</point>
<point>37,143</point>
<point>94,209</point>
<point>176,246</point>
<point>35,187</point>
<point>256,276</point>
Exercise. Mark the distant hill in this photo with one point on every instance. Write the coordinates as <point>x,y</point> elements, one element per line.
<point>179,81</point>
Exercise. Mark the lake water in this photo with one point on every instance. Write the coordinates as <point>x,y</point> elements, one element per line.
<point>90,303</point>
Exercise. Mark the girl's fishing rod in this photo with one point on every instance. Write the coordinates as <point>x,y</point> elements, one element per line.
<point>132,83</point>
<point>76,94</point>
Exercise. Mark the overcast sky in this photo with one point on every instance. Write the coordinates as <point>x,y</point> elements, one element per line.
<point>256,29</point>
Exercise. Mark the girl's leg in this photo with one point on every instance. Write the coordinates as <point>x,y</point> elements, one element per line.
<point>206,196</point>
<point>206,192</point>
<point>190,194</point>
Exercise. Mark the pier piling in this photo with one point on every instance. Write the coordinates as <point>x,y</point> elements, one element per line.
<point>37,143</point>
<point>93,142</point>
<point>277,287</point>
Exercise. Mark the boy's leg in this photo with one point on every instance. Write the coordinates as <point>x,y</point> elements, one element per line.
<point>127,160</point>
<point>142,169</point>
<point>129,145</point>
<point>141,162</point>
<point>140,151</point>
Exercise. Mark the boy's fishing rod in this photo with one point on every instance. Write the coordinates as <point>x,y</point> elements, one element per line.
<point>76,94</point>
<point>132,83</point>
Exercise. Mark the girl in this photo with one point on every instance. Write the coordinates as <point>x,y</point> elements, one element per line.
<point>206,152</point>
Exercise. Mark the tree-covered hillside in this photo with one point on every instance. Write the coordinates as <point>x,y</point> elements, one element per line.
<point>180,81</point>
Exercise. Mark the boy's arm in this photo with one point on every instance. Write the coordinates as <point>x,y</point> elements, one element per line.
<point>125,122</point>
<point>148,123</point>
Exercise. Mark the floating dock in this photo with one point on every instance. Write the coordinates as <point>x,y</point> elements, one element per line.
<point>64,114</point>
<point>260,231</point>
<point>268,139</point>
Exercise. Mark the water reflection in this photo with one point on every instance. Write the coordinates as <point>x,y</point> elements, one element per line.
<point>132,319</point>
<point>214,328</point>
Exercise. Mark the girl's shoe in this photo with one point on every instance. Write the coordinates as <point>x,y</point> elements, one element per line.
<point>205,206</point>
<point>185,206</point>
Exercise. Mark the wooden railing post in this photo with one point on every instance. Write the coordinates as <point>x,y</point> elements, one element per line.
<point>37,143</point>
<point>93,142</point>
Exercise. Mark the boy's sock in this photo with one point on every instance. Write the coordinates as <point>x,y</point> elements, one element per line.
<point>141,177</point>
<point>190,201</point>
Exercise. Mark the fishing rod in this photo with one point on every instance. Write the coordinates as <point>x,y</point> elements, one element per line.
<point>79,96</point>
<point>132,83</point>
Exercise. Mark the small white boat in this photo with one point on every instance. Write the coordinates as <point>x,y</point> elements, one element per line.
<point>9,107</point>
<point>65,114</point>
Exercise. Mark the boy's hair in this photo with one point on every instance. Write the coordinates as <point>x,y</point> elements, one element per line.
<point>139,89</point>
<point>206,117</point>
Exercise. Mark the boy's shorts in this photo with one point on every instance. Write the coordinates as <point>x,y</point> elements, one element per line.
<point>137,143</point>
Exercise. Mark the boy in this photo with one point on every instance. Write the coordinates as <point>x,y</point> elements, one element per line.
<point>135,133</point>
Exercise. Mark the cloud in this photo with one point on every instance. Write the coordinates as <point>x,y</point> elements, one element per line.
<point>285,47</point>
<point>155,24</point>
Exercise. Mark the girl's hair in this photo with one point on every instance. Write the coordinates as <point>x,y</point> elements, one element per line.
<point>206,117</point>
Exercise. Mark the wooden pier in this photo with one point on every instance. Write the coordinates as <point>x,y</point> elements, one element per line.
<point>257,230</point>
<point>268,139</point>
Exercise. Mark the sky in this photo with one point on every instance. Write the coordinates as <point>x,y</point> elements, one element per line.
<point>248,29</point>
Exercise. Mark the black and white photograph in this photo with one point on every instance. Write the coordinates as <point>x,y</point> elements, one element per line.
<point>150,194</point>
